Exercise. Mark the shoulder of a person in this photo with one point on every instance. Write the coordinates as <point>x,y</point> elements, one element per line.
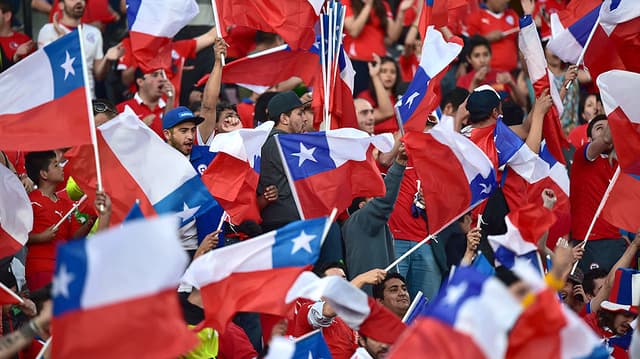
<point>90,28</point>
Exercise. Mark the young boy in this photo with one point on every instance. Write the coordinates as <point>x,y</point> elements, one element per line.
<point>479,57</point>
<point>48,209</point>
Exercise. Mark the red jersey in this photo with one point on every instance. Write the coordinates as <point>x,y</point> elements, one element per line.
<point>490,79</point>
<point>245,111</point>
<point>589,181</point>
<point>370,40</point>
<point>578,136</point>
<point>10,43</point>
<point>402,224</point>
<point>142,110</point>
<point>505,51</point>
<point>46,213</point>
<point>408,66</point>
<point>388,125</point>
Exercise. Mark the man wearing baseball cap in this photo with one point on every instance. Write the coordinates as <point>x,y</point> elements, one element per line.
<point>274,194</point>
<point>179,128</point>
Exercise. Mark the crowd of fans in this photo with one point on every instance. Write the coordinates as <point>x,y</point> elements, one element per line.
<point>382,40</point>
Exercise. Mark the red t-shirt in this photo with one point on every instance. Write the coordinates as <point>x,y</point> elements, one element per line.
<point>46,213</point>
<point>370,40</point>
<point>589,181</point>
<point>402,224</point>
<point>490,79</point>
<point>245,111</point>
<point>505,51</point>
<point>578,136</point>
<point>388,125</point>
<point>143,111</point>
<point>234,344</point>
<point>10,43</point>
<point>341,340</point>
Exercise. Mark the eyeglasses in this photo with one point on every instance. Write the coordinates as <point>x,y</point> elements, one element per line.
<point>99,107</point>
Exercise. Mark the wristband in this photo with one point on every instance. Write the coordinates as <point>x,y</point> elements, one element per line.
<point>554,282</point>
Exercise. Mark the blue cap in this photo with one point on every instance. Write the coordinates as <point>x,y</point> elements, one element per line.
<point>179,115</point>
<point>481,102</point>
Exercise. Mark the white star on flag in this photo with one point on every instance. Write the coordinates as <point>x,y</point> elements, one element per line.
<point>305,154</point>
<point>410,99</point>
<point>68,66</point>
<point>61,282</point>
<point>302,242</point>
<point>454,293</point>
<point>187,212</point>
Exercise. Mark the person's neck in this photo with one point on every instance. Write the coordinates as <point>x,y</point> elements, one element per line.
<point>48,189</point>
<point>5,31</point>
<point>69,21</point>
<point>149,100</point>
<point>485,123</point>
<point>282,127</point>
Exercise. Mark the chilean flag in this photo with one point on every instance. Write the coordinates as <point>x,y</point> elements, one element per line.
<point>571,27</point>
<point>310,345</point>
<point>621,207</point>
<point>16,214</point>
<point>619,90</point>
<point>293,20</point>
<point>423,94</point>
<point>37,90</point>
<point>529,43</point>
<point>615,43</point>
<point>469,318</point>
<point>232,177</point>
<point>255,275</point>
<point>152,26</point>
<point>135,163</point>
<point>351,304</point>
<point>447,162</point>
<point>525,226</point>
<point>7,296</point>
<point>119,286</point>
<point>330,169</point>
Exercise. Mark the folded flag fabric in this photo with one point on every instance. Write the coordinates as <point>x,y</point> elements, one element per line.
<point>423,95</point>
<point>16,214</point>
<point>329,169</point>
<point>475,309</point>
<point>447,162</point>
<point>134,168</point>
<point>229,278</point>
<point>152,31</point>
<point>7,296</point>
<point>620,208</point>
<point>120,286</point>
<point>30,116</point>
<point>571,27</point>
<point>311,345</point>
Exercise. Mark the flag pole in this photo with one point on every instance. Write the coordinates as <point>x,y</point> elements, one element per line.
<point>75,206</point>
<point>603,201</point>
<point>323,65</point>
<point>327,226</point>
<point>216,23</point>
<point>92,123</point>
<point>413,305</point>
<point>289,178</point>
<point>584,49</point>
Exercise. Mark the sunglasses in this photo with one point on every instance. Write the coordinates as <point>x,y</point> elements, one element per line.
<point>100,107</point>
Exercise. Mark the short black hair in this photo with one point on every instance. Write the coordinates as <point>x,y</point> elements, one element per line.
<point>355,205</point>
<point>475,41</point>
<point>6,6</point>
<point>588,283</point>
<point>35,162</point>
<point>224,105</point>
<point>512,114</point>
<point>454,97</point>
<point>260,110</point>
<point>593,122</point>
<point>378,289</point>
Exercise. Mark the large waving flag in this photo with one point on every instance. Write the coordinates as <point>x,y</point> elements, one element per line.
<point>311,345</point>
<point>529,43</point>
<point>16,214</point>
<point>293,20</point>
<point>571,27</point>
<point>152,26</point>
<point>423,94</point>
<point>329,169</point>
<point>232,177</point>
<point>255,275</point>
<point>469,318</point>
<point>512,151</point>
<point>134,162</point>
<point>120,286</point>
<point>36,91</point>
<point>525,226</point>
<point>447,162</point>
<point>619,91</point>
<point>620,208</point>
<point>615,43</point>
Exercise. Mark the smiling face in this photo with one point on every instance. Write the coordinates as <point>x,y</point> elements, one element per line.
<point>395,296</point>
<point>622,322</point>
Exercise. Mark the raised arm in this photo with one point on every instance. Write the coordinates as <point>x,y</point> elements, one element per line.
<point>212,92</point>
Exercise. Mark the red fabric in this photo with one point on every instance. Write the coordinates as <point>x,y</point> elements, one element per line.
<point>464,81</point>
<point>431,337</point>
<point>95,11</point>
<point>246,111</point>
<point>8,245</point>
<point>589,181</point>
<point>576,10</point>
<point>626,140</point>
<point>241,41</point>
<point>10,43</point>
<point>154,319</point>
<point>46,213</point>
<point>42,128</point>
<point>234,344</point>
<point>381,324</point>
<point>505,51</point>
<point>320,193</point>
<point>341,107</point>
<point>561,210</point>
<point>578,136</point>
<point>293,20</point>
<point>436,15</point>
<point>550,7</point>
<point>552,130</point>
<point>7,296</point>
<point>370,40</point>
<point>143,111</point>
<point>402,224</point>
<point>408,66</point>
<point>532,221</point>
<point>17,159</point>
<point>388,125</point>
<point>620,209</point>
<point>237,293</point>
<point>233,183</point>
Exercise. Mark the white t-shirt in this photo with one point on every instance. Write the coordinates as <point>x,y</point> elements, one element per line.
<point>92,43</point>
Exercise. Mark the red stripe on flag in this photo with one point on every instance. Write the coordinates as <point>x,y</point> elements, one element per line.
<point>621,209</point>
<point>626,141</point>
<point>601,55</point>
<point>149,327</point>
<point>8,245</point>
<point>151,52</point>
<point>45,127</point>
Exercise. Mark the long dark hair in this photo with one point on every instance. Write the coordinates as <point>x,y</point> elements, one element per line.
<point>394,88</point>
<point>378,9</point>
